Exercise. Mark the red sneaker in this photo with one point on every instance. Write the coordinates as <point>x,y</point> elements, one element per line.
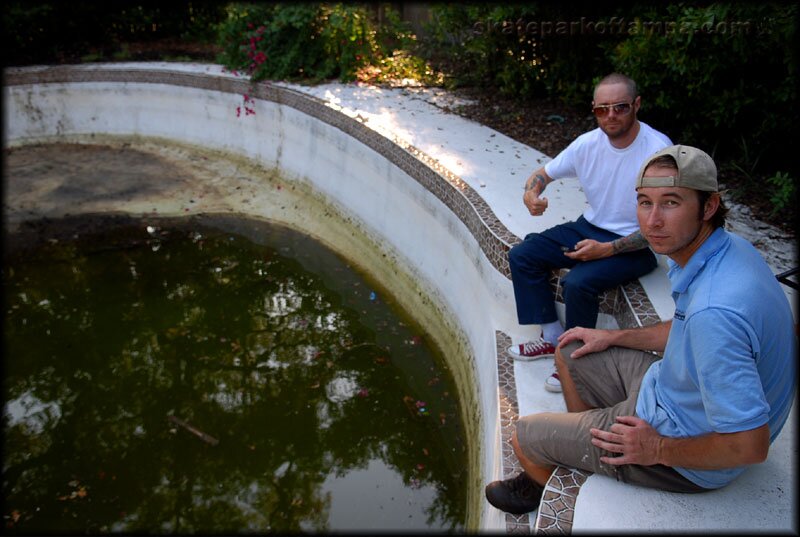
<point>553,383</point>
<point>532,350</point>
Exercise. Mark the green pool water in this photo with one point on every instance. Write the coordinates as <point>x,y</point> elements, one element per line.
<point>216,375</point>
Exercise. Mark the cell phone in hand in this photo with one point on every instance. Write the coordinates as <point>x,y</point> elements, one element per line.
<point>566,249</point>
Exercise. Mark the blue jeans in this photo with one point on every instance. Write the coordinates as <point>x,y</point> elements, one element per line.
<point>533,260</point>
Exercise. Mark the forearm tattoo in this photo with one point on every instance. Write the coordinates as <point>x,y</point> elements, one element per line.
<point>634,241</point>
<point>537,179</point>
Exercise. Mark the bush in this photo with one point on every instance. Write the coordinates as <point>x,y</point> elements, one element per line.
<point>723,79</point>
<point>315,41</point>
<point>509,47</point>
<point>59,32</point>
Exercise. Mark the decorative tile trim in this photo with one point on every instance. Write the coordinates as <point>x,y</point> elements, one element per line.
<point>557,508</point>
<point>508,409</point>
<point>628,303</point>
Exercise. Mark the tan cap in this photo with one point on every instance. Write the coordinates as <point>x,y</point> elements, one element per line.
<point>696,169</point>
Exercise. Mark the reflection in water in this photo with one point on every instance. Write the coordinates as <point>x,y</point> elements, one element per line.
<point>163,379</point>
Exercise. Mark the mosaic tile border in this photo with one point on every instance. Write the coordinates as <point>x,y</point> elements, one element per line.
<point>557,508</point>
<point>508,409</point>
<point>628,303</point>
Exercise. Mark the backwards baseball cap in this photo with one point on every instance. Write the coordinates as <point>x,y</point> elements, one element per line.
<point>696,170</point>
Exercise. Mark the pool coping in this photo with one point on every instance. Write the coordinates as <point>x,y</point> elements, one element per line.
<point>628,304</point>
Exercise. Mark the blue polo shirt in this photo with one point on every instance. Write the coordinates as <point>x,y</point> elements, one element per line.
<point>729,364</point>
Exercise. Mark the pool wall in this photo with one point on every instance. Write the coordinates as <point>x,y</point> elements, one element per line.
<point>413,229</point>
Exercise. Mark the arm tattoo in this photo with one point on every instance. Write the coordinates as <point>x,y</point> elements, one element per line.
<point>634,241</point>
<point>538,179</point>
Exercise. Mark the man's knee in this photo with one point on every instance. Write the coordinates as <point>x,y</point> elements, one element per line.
<point>532,434</point>
<point>515,254</point>
<point>525,252</point>
<point>580,281</point>
<point>563,356</point>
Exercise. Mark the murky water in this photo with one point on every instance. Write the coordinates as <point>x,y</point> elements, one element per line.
<point>216,376</point>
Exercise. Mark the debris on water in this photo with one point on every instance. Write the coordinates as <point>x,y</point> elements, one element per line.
<point>208,439</point>
<point>415,406</point>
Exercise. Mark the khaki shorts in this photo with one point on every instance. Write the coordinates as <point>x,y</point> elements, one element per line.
<point>610,381</point>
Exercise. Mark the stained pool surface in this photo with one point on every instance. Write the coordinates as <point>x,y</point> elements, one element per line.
<point>216,375</point>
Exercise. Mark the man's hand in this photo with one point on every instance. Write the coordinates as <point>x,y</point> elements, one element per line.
<point>589,249</point>
<point>536,205</point>
<point>534,187</point>
<point>594,340</point>
<point>631,439</point>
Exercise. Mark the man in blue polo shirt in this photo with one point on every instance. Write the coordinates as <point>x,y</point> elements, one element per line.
<point>698,417</point>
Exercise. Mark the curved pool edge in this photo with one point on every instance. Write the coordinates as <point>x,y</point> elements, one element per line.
<point>353,235</point>
<point>306,139</point>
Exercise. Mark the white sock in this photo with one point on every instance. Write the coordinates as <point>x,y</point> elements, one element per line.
<point>551,331</point>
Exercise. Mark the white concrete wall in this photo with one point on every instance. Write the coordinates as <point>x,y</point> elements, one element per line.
<point>433,247</point>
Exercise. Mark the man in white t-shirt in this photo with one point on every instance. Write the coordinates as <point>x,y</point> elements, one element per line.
<point>603,248</point>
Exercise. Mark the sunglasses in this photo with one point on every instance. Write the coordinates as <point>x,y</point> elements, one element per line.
<point>620,109</point>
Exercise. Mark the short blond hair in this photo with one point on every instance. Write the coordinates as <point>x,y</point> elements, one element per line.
<point>619,78</point>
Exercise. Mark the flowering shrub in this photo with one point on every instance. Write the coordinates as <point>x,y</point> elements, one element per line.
<point>318,41</point>
<point>292,41</point>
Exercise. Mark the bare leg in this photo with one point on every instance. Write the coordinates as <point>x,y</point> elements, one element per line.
<point>538,472</point>
<point>571,397</point>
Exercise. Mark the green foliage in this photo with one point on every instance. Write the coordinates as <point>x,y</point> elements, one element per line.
<point>721,74</point>
<point>784,192</point>
<point>518,48</point>
<point>314,41</point>
<point>57,32</point>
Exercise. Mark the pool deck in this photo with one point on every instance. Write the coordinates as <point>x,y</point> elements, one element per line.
<point>496,167</point>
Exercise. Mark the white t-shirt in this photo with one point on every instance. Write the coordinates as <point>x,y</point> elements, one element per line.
<point>608,174</point>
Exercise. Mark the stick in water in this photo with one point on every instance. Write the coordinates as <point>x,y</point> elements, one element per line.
<point>198,433</point>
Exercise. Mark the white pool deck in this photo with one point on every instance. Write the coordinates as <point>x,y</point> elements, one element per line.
<point>495,166</point>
